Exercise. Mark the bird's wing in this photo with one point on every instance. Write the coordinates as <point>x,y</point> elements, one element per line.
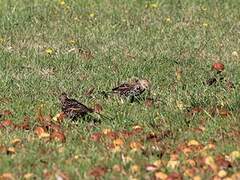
<point>122,87</point>
<point>77,106</point>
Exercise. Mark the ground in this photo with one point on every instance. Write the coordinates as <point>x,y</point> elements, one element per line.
<point>184,128</point>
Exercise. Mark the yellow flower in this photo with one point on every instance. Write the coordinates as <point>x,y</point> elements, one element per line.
<point>205,24</point>
<point>92,15</point>
<point>154,5</point>
<point>49,51</point>
<point>168,19</point>
<point>61,2</point>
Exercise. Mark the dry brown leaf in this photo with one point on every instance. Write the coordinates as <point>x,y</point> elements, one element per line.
<point>98,108</point>
<point>98,171</point>
<point>58,136</point>
<point>136,145</point>
<point>96,136</point>
<point>134,169</point>
<point>16,141</point>
<point>7,176</point>
<point>174,176</point>
<point>28,176</point>
<point>38,131</point>
<point>149,102</point>
<point>178,73</point>
<point>117,168</point>
<point>5,113</point>
<point>11,150</point>
<point>89,92</point>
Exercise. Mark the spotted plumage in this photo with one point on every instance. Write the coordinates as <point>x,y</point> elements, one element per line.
<point>72,108</point>
<point>132,89</point>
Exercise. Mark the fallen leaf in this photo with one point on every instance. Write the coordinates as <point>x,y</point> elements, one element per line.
<point>38,131</point>
<point>218,66</point>
<point>96,136</point>
<point>5,113</point>
<point>210,162</point>
<point>158,163</point>
<point>151,167</point>
<point>222,162</point>
<point>112,135</point>
<point>190,172</point>
<point>197,178</point>
<point>7,176</point>
<point>173,164</point>
<point>98,108</point>
<point>149,102</point>
<point>118,142</point>
<point>222,173</point>
<point>134,169</point>
<point>59,117</point>
<point>11,150</point>
<point>117,168</point>
<point>193,143</point>
<point>89,92</point>
<point>178,74</point>
<point>16,141</point>
<point>235,155</point>
<point>3,149</point>
<point>7,123</point>
<point>160,176</point>
<point>98,171</point>
<point>58,136</point>
<point>106,131</point>
<point>136,145</point>
<point>28,175</point>
<point>174,176</point>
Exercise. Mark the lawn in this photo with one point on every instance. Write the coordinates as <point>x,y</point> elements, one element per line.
<point>185,128</point>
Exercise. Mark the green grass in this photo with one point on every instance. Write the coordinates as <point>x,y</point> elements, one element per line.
<point>127,39</point>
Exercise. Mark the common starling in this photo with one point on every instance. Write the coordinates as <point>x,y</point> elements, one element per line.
<point>72,108</point>
<point>132,89</point>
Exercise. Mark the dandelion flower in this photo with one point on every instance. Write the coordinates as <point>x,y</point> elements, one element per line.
<point>49,51</point>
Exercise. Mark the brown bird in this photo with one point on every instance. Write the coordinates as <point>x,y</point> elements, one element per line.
<point>132,89</point>
<point>73,109</point>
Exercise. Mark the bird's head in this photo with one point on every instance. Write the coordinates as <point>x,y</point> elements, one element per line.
<point>144,83</point>
<point>63,97</point>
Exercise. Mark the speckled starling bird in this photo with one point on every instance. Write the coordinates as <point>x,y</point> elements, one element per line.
<point>72,108</point>
<point>132,89</point>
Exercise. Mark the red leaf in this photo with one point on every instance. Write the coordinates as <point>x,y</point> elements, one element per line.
<point>6,123</point>
<point>96,136</point>
<point>219,67</point>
